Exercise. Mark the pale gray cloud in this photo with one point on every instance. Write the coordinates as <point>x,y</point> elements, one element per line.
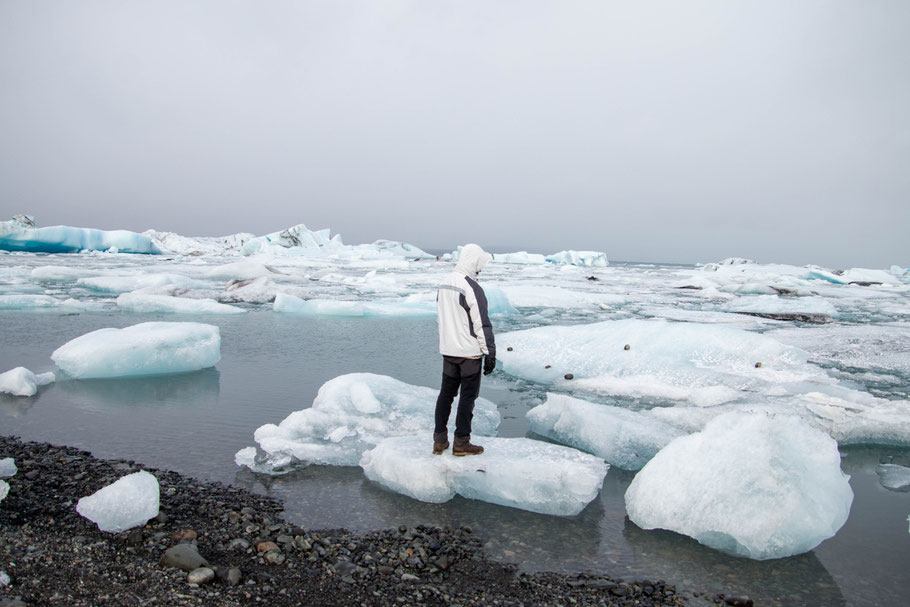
<point>659,131</point>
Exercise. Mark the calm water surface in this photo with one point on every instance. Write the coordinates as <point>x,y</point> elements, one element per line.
<point>272,365</point>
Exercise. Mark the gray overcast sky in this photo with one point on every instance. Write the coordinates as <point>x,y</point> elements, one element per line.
<point>653,131</point>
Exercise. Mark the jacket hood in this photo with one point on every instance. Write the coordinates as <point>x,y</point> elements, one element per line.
<point>472,260</point>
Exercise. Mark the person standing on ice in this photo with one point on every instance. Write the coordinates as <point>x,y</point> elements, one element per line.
<point>467,347</point>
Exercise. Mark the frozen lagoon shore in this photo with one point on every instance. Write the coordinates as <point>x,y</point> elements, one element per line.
<point>54,556</point>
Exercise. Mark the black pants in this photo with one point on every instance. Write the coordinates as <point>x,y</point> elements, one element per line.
<point>464,374</point>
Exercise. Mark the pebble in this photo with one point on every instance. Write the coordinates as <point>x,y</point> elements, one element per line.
<point>266,546</point>
<point>184,556</point>
<point>238,544</point>
<point>229,575</point>
<point>627,347</point>
<point>200,576</point>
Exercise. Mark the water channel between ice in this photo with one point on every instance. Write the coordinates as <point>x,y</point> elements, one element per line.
<point>273,365</point>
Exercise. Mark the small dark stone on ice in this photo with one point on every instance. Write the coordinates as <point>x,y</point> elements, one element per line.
<point>569,376</point>
<point>547,366</point>
<point>509,349</point>
<point>758,365</point>
<point>627,347</point>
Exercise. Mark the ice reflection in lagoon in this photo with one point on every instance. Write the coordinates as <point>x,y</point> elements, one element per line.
<point>272,365</point>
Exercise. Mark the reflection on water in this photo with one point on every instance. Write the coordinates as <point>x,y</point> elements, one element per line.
<point>194,423</point>
<point>199,388</point>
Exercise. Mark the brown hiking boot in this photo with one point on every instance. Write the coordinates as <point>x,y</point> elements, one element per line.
<point>440,443</point>
<point>463,446</point>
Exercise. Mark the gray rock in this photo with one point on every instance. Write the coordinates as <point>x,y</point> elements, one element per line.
<point>238,544</point>
<point>200,576</point>
<point>12,603</point>
<point>409,577</point>
<point>184,556</point>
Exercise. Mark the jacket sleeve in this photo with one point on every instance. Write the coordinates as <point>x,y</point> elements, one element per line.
<point>480,318</point>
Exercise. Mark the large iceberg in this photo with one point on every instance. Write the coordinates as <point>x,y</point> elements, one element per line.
<point>751,485</point>
<point>350,414</point>
<point>147,303</point>
<point>516,472</point>
<point>22,382</point>
<point>150,348</point>
<point>21,235</point>
<point>579,258</point>
<point>702,364</point>
<point>128,502</point>
<point>624,438</point>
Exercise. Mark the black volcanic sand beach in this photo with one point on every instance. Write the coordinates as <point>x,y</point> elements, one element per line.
<point>54,556</point>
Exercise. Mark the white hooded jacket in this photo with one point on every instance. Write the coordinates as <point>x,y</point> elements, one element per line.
<point>464,323</point>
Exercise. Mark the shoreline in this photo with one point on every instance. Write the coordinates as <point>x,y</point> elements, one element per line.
<point>54,556</point>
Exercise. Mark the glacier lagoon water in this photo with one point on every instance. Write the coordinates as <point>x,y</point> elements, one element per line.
<point>273,364</point>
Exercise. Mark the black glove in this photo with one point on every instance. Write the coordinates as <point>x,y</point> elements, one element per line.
<point>489,364</point>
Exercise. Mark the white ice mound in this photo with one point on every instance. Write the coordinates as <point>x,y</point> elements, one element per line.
<point>125,284</point>
<point>290,241</point>
<point>624,438</point>
<point>8,467</point>
<point>147,303</point>
<point>129,502</point>
<point>750,485</point>
<point>352,413</point>
<point>4,489</point>
<point>891,476</point>
<point>703,364</point>
<point>22,382</point>
<point>579,258</point>
<point>516,472</point>
<point>18,236</point>
<point>150,348</point>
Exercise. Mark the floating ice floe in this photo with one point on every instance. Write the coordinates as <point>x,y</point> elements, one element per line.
<point>22,382</point>
<point>150,348</point>
<point>350,414</point>
<point>894,477</point>
<point>126,284</point>
<point>544,296</point>
<point>702,364</point>
<point>8,467</point>
<point>21,235</point>
<point>44,303</point>
<point>516,472</point>
<point>128,502</point>
<point>806,309</point>
<point>165,304</point>
<point>519,257</point>
<point>750,485</point>
<point>858,276</point>
<point>242,270</point>
<point>626,439</point>
<point>289,304</point>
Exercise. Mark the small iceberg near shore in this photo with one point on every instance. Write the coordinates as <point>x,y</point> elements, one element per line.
<point>751,485</point>
<point>516,472</point>
<point>623,438</point>
<point>22,382</point>
<point>150,348</point>
<point>128,502</point>
<point>351,414</point>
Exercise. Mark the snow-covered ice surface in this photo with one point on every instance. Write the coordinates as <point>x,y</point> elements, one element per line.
<point>351,414</point>
<point>150,348</point>
<point>22,382</point>
<point>126,503</point>
<point>751,485</point>
<point>516,472</point>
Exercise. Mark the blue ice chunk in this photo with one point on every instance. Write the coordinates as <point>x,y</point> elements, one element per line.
<point>18,236</point>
